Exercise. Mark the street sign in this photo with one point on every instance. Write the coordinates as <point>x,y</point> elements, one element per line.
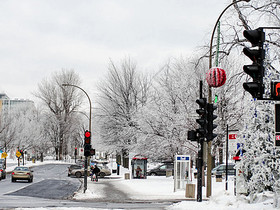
<point>81,151</point>
<point>182,158</point>
<point>232,141</point>
<point>18,154</point>
<point>4,155</point>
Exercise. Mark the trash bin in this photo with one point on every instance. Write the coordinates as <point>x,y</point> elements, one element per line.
<point>219,178</point>
<point>168,173</point>
<point>127,176</point>
<point>190,191</point>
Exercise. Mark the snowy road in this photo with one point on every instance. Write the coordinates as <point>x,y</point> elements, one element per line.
<point>50,182</point>
<point>53,188</point>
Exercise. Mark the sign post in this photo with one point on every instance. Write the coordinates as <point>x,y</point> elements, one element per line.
<point>231,144</point>
<point>277,125</point>
<point>18,154</point>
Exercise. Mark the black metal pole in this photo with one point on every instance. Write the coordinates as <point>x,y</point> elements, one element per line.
<point>200,88</point>
<point>199,171</point>
<point>85,174</point>
<point>22,158</point>
<point>200,158</point>
<point>227,160</point>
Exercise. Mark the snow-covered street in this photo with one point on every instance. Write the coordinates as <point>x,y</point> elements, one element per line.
<point>156,189</point>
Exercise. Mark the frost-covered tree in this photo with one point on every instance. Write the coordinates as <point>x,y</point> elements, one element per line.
<point>28,128</point>
<point>122,93</point>
<point>62,103</point>
<point>169,112</point>
<point>261,161</point>
<point>8,130</point>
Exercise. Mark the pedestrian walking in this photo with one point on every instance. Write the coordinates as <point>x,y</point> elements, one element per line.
<point>95,171</point>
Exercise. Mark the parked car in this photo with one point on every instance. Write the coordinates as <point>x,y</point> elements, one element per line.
<point>78,171</point>
<point>3,172</point>
<point>161,170</point>
<point>104,171</point>
<point>221,169</point>
<point>73,169</point>
<point>22,173</point>
<point>80,162</point>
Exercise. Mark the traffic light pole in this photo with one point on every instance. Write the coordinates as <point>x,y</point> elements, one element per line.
<point>199,169</point>
<point>200,158</point>
<point>86,163</point>
<point>209,144</point>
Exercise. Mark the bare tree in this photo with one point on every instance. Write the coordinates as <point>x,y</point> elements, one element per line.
<point>169,113</point>
<point>121,96</point>
<point>61,102</point>
<point>7,131</point>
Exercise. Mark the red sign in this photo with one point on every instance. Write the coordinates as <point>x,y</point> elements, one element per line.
<point>236,158</point>
<point>232,136</point>
<point>277,137</point>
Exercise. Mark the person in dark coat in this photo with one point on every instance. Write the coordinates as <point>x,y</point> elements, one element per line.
<point>95,171</point>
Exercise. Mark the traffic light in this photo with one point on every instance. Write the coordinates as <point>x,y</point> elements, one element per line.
<point>210,119</point>
<point>87,145</point>
<point>202,121</point>
<point>21,152</point>
<point>256,69</point>
<point>275,90</point>
<point>92,152</point>
<point>192,135</point>
<point>87,137</point>
<point>76,151</point>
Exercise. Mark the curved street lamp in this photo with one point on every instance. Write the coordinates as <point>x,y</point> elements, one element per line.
<point>209,146</point>
<point>89,125</point>
<point>86,163</point>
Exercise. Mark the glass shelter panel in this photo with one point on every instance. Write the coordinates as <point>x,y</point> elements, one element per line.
<point>182,171</point>
<point>139,167</point>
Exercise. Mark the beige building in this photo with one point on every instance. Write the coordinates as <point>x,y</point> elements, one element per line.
<point>6,103</point>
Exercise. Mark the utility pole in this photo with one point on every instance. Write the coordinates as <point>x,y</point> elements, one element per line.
<point>209,143</point>
<point>89,130</point>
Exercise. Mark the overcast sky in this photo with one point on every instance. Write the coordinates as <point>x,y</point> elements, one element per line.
<point>39,37</point>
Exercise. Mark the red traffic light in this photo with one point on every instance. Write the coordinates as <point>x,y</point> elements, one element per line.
<point>87,134</point>
<point>87,137</point>
<point>275,90</point>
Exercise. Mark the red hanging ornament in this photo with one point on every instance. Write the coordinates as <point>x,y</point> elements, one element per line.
<point>216,77</point>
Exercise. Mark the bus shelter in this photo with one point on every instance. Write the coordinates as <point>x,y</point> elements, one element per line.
<point>181,171</point>
<point>139,167</point>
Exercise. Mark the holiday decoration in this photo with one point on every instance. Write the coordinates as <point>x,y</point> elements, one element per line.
<point>216,77</point>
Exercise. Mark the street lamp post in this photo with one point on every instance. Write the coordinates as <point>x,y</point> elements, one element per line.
<point>209,157</point>
<point>86,163</point>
